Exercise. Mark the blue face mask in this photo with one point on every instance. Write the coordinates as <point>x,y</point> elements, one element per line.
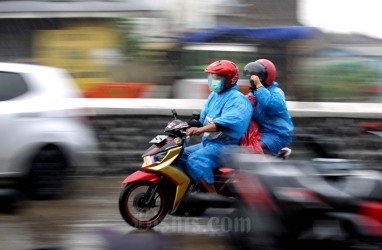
<point>215,85</point>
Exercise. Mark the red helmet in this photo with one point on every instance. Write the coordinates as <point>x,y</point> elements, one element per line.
<point>264,68</point>
<point>227,69</point>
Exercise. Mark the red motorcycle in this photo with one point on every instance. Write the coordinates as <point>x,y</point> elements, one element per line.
<point>159,188</point>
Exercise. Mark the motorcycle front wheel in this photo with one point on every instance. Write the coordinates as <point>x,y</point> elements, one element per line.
<point>137,210</point>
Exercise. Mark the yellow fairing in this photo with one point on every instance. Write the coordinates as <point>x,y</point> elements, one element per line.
<point>180,179</point>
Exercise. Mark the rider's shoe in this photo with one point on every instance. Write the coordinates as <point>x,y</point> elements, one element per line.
<point>284,153</point>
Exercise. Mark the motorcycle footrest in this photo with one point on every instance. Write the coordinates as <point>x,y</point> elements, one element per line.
<point>211,200</point>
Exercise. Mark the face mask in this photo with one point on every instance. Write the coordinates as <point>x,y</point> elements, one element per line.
<point>215,85</point>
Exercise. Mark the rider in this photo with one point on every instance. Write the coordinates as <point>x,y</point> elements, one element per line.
<point>271,113</point>
<point>225,117</point>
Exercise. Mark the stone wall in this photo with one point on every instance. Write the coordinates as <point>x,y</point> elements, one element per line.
<point>124,138</point>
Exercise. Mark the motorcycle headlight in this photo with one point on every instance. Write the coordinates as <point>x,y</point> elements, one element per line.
<point>150,159</point>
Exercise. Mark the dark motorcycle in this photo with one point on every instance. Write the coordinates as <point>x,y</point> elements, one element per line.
<point>324,201</point>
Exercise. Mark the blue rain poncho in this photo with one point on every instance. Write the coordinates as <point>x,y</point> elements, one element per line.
<point>231,110</point>
<point>271,114</point>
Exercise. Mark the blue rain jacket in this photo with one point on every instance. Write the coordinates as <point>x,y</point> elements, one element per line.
<point>230,109</point>
<point>271,113</point>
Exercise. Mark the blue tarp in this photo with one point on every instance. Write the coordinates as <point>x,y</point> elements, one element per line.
<point>277,32</point>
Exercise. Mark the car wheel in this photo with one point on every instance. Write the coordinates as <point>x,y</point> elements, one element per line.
<point>47,178</point>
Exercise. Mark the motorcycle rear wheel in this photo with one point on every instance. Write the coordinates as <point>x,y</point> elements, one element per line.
<point>134,208</point>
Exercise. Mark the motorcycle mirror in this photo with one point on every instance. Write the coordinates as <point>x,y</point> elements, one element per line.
<point>174,113</point>
<point>196,115</point>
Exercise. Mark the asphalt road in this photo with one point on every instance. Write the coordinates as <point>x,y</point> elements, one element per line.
<point>89,219</point>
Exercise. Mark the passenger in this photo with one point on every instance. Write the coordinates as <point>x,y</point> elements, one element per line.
<point>271,113</point>
<point>225,117</point>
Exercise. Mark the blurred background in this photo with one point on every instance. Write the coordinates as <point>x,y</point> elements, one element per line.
<point>327,51</point>
<point>158,49</point>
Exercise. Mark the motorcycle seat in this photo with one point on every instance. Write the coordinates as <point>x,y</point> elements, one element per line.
<point>365,185</point>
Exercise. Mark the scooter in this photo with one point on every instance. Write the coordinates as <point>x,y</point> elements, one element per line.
<point>305,204</point>
<point>159,188</point>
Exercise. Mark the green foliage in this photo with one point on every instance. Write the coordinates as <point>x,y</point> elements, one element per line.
<point>346,81</point>
<point>130,42</point>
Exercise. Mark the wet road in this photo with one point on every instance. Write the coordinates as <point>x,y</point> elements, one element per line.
<point>89,219</point>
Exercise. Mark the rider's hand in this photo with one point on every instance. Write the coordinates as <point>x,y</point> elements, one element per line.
<point>193,131</point>
<point>256,81</point>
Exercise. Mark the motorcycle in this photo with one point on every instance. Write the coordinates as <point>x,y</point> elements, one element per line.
<point>159,188</point>
<point>327,202</point>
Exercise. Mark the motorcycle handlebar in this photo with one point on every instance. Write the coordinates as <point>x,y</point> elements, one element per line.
<point>187,140</point>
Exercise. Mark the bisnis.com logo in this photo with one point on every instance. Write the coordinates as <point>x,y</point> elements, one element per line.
<point>203,225</point>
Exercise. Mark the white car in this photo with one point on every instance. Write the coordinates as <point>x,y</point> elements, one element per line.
<point>44,130</point>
